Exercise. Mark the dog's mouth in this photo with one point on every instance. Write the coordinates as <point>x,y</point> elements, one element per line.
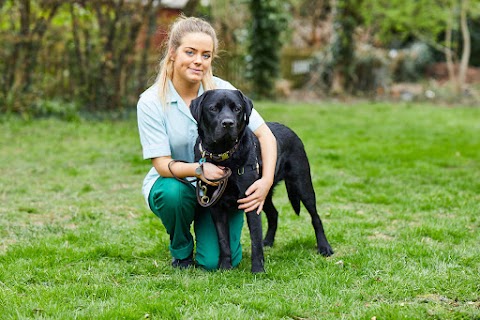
<point>225,135</point>
<point>221,139</point>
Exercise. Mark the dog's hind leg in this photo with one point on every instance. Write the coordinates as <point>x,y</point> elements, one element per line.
<point>301,188</point>
<point>272,218</point>
<point>255,226</point>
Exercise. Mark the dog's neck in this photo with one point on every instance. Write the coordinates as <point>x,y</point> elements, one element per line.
<point>217,157</point>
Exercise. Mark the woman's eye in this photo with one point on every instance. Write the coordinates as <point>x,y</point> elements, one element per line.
<point>206,56</point>
<point>189,52</point>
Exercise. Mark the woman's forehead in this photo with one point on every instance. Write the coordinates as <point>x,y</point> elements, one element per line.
<point>197,41</point>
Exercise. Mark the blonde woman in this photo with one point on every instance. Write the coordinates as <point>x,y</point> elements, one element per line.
<point>168,131</point>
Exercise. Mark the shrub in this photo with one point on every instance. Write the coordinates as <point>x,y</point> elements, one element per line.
<point>409,64</point>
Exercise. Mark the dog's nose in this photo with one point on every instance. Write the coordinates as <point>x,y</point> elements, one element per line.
<point>227,123</point>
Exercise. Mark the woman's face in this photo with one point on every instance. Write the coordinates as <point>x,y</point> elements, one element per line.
<point>192,59</point>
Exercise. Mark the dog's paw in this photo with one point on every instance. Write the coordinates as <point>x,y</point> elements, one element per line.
<point>258,269</point>
<point>325,251</point>
<point>225,265</point>
<point>268,243</point>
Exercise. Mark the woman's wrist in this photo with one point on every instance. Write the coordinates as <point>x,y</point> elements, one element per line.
<point>267,179</point>
<point>199,171</point>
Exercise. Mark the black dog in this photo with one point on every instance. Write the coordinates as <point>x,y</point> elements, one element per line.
<point>225,140</point>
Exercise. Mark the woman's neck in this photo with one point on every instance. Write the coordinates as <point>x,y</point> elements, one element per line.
<point>187,91</point>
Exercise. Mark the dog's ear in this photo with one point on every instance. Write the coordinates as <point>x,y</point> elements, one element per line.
<point>196,106</point>
<point>248,104</point>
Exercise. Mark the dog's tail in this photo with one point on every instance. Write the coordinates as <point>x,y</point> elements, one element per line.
<point>293,196</point>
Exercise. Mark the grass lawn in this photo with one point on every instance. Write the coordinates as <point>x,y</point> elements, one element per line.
<point>398,190</point>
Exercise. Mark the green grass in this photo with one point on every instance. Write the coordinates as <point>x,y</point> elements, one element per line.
<point>398,190</point>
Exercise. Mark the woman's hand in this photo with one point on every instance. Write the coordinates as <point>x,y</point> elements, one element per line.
<point>258,191</point>
<point>211,172</point>
<point>256,195</point>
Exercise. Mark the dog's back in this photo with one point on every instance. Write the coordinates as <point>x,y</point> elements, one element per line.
<point>292,164</point>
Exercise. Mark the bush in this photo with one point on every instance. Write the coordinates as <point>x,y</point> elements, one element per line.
<point>56,108</point>
<point>263,68</point>
<point>374,68</point>
<point>371,70</point>
<point>370,67</point>
<point>409,64</point>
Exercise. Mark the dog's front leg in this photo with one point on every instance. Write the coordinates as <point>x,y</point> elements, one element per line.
<point>255,226</point>
<point>220,220</point>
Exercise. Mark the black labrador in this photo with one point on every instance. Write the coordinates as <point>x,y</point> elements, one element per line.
<point>225,140</point>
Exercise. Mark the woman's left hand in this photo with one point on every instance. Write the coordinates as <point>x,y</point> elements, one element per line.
<point>256,195</point>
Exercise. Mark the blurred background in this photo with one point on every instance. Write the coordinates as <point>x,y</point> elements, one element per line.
<point>65,57</point>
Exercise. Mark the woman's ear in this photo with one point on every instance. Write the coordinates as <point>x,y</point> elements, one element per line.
<point>172,54</point>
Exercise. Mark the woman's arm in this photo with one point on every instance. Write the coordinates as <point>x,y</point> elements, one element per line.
<point>258,191</point>
<point>183,169</point>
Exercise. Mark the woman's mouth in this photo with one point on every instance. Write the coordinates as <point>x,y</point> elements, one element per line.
<point>196,71</point>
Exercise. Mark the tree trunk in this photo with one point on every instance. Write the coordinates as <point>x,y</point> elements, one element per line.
<point>466,47</point>
<point>150,31</point>
<point>80,65</point>
<point>35,43</point>
<point>343,44</point>
<point>23,60</point>
<point>448,51</point>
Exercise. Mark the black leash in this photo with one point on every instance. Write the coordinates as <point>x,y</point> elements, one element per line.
<point>202,188</point>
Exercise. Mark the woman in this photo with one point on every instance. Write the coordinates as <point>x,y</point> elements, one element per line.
<point>168,131</point>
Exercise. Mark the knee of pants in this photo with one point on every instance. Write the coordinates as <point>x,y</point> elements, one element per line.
<point>168,193</point>
<point>210,262</point>
<point>208,250</point>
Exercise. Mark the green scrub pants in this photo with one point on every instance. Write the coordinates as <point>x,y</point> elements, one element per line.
<point>175,203</point>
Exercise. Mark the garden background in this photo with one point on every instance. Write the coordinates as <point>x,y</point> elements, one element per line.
<point>384,95</point>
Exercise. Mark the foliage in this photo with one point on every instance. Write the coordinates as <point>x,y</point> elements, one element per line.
<point>409,64</point>
<point>346,19</point>
<point>397,188</point>
<point>22,34</point>
<point>373,70</point>
<point>429,21</point>
<point>268,22</point>
<point>232,31</point>
<point>99,55</point>
<point>81,51</point>
<point>68,111</point>
<point>396,20</point>
<point>322,67</point>
<point>474,25</point>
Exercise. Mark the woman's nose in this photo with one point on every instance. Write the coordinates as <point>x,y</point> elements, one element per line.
<point>198,58</point>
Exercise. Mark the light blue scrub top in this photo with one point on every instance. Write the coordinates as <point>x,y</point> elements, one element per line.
<point>171,131</point>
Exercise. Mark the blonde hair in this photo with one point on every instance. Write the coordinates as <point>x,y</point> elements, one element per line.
<point>182,26</point>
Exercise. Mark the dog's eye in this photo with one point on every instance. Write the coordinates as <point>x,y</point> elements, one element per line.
<point>238,109</point>
<point>212,108</point>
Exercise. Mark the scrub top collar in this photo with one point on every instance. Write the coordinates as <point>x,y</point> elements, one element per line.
<point>174,97</point>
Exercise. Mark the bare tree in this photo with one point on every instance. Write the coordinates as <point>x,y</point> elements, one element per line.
<point>466,46</point>
<point>118,25</point>
<point>22,60</point>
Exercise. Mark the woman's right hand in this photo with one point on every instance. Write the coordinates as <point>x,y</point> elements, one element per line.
<point>211,172</point>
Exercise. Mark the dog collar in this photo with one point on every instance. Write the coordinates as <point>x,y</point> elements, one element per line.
<point>217,157</point>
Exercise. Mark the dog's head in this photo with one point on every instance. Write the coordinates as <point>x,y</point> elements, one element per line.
<point>222,116</point>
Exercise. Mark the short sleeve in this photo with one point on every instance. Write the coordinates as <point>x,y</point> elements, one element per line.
<point>255,121</point>
<point>152,129</point>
